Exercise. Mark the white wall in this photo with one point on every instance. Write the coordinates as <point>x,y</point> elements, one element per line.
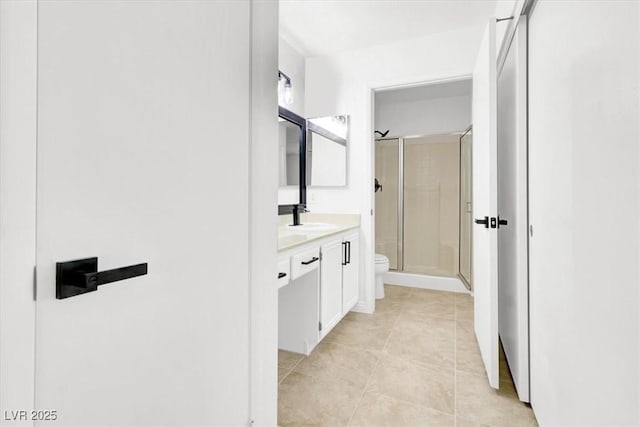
<point>424,117</point>
<point>292,62</point>
<point>342,84</point>
<point>17,203</point>
<point>584,207</point>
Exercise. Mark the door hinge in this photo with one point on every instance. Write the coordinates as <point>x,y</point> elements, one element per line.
<point>319,326</point>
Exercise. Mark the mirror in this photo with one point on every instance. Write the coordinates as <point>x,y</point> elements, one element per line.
<point>292,177</point>
<point>326,155</point>
<point>289,153</point>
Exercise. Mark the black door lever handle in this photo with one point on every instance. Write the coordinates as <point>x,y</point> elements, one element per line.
<point>484,221</point>
<point>502,222</point>
<point>82,276</point>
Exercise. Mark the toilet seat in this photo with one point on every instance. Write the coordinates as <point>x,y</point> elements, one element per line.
<point>381,259</point>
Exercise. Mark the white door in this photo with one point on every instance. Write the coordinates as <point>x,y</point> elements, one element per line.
<point>330,285</point>
<point>143,158</point>
<point>485,206</point>
<point>513,286</point>
<point>350,270</point>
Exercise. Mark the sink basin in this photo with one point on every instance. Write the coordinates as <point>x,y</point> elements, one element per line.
<point>312,227</point>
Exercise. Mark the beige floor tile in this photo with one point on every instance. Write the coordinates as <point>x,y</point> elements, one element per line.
<point>396,293</point>
<point>425,385</point>
<point>288,359</point>
<point>428,295</point>
<point>329,360</point>
<point>461,422</point>
<point>477,401</point>
<point>388,306</point>
<point>503,367</point>
<point>430,341</point>
<point>464,307</point>
<point>464,301</point>
<point>282,373</point>
<point>468,358</point>
<point>379,319</point>
<point>360,335</point>
<point>403,353</point>
<point>380,410</point>
<point>424,310</point>
<point>305,400</point>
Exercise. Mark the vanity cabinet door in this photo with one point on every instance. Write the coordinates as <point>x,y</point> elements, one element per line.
<point>330,286</point>
<point>350,272</point>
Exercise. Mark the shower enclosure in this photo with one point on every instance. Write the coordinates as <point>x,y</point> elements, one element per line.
<point>423,222</point>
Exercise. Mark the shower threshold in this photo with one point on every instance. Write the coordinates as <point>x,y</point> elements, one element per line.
<point>425,281</point>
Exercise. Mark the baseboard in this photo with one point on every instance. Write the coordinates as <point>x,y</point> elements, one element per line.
<point>361,307</point>
<point>436,283</point>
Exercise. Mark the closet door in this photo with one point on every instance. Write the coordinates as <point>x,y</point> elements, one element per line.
<point>513,278</point>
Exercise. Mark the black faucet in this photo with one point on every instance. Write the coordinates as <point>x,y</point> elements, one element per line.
<point>296,214</point>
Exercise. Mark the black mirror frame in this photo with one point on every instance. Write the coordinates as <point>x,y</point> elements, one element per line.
<point>299,121</point>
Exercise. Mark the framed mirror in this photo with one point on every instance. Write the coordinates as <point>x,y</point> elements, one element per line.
<point>326,155</point>
<point>292,188</point>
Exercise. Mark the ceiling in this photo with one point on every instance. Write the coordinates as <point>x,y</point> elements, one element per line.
<point>322,27</point>
<point>424,92</point>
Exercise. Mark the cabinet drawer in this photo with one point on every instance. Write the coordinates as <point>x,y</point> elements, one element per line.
<point>304,262</point>
<point>284,267</point>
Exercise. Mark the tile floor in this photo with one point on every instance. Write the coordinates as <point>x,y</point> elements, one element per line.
<point>414,362</point>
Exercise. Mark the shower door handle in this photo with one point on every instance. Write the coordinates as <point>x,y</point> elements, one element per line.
<point>484,221</point>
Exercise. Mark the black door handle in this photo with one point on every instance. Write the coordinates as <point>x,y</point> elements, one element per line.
<point>484,221</point>
<point>502,222</point>
<point>312,260</point>
<point>348,251</point>
<point>281,275</point>
<point>82,276</point>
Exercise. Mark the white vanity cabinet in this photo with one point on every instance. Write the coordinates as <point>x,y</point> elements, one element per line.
<point>350,271</point>
<point>338,279</point>
<point>331,285</point>
<point>320,288</point>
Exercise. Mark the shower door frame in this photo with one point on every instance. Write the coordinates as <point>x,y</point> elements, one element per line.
<point>400,239</point>
<point>465,282</point>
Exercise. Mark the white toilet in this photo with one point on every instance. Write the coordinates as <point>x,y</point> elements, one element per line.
<point>382,266</point>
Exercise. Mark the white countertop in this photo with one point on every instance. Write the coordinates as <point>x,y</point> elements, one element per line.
<point>290,237</point>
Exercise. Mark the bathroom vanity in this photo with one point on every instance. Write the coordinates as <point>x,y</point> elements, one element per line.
<point>318,267</point>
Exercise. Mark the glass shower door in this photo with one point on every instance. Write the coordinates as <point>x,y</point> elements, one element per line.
<point>431,205</point>
<point>386,200</point>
